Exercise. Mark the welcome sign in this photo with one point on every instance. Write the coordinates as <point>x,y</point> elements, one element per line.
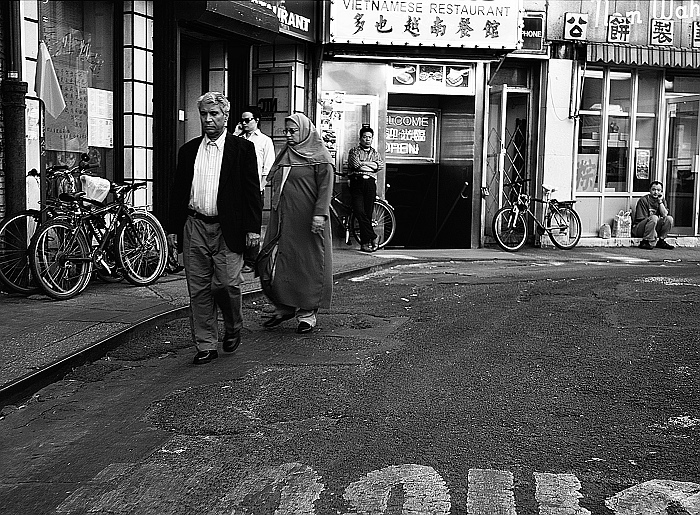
<point>453,23</point>
<point>410,136</point>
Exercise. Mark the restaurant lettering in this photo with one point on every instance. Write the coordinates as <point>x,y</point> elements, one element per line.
<point>658,9</point>
<point>445,8</point>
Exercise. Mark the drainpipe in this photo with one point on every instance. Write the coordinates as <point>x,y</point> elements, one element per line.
<point>13,108</point>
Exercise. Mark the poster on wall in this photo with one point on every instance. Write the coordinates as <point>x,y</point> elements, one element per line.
<point>641,170</point>
<point>431,79</point>
<point>453,23</point>
<point>332,107</point>
<point>411,136</point>
<point>587,172</point>
<point>100,118</point>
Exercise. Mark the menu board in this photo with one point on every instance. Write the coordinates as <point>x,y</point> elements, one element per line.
<point>411,136</point>
<point>431,79</point>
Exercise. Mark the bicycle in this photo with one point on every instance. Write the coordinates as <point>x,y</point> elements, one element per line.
<point>561,223</point>
<point>383,220</point>
<point>63,259</point>
<point>17,230</point>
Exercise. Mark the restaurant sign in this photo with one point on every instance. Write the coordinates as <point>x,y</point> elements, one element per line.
<point>410,136</point>
<point>453,23</point>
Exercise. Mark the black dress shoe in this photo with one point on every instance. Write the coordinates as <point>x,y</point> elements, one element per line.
<point>232,342</point>
<point>205,356</point>
<point>304,328</point>
<point>276,320</point>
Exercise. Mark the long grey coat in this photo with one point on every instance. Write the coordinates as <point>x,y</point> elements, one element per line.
<point>304,271</point>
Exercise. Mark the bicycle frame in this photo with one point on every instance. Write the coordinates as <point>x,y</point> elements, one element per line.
<point>86,220</point>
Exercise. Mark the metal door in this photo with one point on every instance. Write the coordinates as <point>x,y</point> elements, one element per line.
<point>681,186</point>
<point>506,147</point>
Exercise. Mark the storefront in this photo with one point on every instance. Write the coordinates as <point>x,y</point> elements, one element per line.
<point>633,109</point>
<point>418,74</point>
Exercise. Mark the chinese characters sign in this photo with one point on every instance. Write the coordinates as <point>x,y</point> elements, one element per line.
<point>575,26</point>
<point>431,79</point>
<point>453,23</point>
<point>410,136</point>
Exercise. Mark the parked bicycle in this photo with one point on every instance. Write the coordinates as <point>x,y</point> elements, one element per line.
<point>17,230</point>
<point>62,255</point>
<point>559,220</point>
<point>383,220</point>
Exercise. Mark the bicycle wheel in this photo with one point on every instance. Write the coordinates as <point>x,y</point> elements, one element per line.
<point>509,229</point>
<point>383,223</point>
<point>61,259</point>
<point>564,227</point>
<point>15,236</point>
<point>142,249</point>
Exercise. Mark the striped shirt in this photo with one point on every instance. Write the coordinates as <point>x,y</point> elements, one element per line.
<point>207,169</point>
<point>357,155</point>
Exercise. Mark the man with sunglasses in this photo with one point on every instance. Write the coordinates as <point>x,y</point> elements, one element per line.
<point>248,128</point>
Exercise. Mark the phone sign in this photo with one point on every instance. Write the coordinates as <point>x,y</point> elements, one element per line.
<point>533,33</point>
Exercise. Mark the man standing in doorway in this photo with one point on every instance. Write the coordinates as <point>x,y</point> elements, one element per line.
<point>364,162</point>
<point>248,128</point>
<point>216,214</point>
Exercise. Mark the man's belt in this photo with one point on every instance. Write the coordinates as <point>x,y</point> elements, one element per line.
<point>203,218</point>
<point>362,176</point>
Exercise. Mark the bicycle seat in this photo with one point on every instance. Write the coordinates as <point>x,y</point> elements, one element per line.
<point>549,189</point>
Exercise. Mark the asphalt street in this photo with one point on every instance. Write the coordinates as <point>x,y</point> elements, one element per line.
<point>429,387</point>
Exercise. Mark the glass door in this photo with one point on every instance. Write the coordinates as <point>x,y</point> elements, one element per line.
<point>681,184</point>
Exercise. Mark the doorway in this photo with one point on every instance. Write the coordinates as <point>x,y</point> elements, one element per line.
<point>682,155</point>
<point>429,190</point>
<point>507,147</point>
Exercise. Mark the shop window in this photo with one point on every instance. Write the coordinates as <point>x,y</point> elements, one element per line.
<point>617,120</point>
<point>79,37</point>
<point>513,77</point>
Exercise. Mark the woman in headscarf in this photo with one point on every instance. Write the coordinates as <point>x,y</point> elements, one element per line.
<point>302,187</point>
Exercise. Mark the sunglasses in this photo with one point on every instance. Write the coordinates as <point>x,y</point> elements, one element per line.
<point>247,120</point>
<point>290,131</point>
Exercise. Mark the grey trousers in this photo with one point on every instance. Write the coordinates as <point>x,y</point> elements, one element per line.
<point>214,279</point>
<point>653,227</point>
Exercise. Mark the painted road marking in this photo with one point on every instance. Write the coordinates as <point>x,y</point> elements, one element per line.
<point>415,489</point>
<point>558,494</point>
<point>657,497</point>
<point>490,492</point>
<point>151,486</point>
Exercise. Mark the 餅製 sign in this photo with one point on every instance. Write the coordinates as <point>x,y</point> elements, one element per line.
<point>410,136</point>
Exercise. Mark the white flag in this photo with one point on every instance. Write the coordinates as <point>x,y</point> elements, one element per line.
<point>46,83</point>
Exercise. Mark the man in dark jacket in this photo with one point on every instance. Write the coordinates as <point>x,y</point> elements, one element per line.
<point>215,211</point>
<point>651,219</point>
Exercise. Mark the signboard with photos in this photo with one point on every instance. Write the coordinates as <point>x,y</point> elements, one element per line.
<point>431,79</point>
<point>453,23</point>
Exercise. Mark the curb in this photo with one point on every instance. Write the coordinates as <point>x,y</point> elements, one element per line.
<point>27,385</point>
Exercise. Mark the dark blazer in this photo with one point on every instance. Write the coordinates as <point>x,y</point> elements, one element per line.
<point>238,201</point>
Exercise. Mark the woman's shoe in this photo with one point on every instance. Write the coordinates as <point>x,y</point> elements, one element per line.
<point>304,327</point>
<point>276,320</point>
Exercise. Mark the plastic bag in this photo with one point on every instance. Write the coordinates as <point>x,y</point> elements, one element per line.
<point>605,231</point>
<point>95,188</point>
<point>622,225</point>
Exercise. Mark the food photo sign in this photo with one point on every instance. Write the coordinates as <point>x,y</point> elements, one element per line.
<point>431,79</point>
<point>449,23</point>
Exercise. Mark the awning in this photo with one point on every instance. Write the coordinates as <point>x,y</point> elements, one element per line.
<point>235,17</point>
<point>643,55</point>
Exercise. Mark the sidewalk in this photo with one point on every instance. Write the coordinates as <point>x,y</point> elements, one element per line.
<point>42,338</point>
